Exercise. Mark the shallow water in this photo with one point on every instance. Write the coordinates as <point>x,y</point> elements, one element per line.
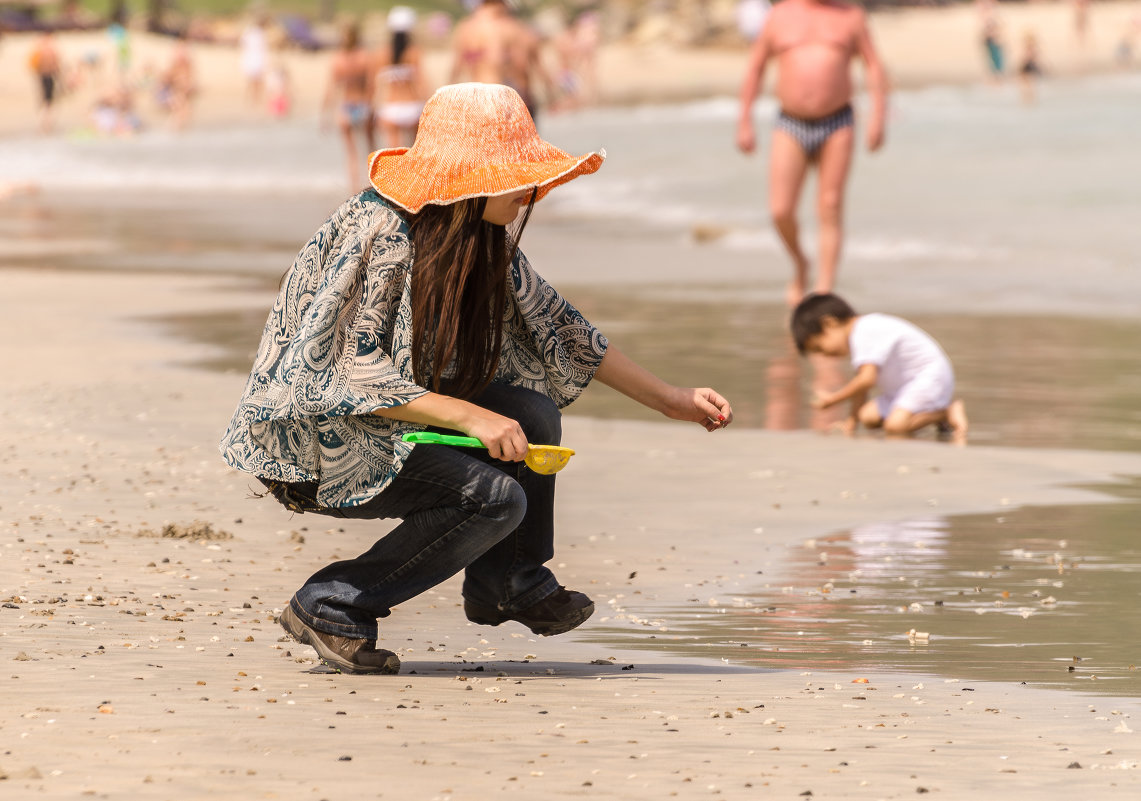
<point>1048,596</point>
<point>1028,381</point>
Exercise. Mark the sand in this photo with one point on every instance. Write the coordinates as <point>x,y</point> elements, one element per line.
<point>147,666</point>
<point>139,583</point>
<point>919,47</point>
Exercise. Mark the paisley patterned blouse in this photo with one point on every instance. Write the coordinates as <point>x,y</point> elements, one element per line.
<point>338,345</point>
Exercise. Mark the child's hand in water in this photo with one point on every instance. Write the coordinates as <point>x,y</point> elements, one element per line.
<point>822,400</point>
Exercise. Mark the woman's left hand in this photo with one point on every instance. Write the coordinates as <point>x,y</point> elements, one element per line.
<point>703,406</point>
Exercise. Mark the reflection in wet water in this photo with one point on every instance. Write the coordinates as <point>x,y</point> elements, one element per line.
<point>1027,381</point>
<point>1049,596</point>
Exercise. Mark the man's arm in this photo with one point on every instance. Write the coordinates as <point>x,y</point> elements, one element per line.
<point>750,88</point>
<point>863,381</point>
<point>875,77</point>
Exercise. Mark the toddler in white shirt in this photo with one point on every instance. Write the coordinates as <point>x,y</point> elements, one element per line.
<point>911,372</point>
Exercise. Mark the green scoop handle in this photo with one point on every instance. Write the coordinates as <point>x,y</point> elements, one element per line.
<point>543,459</point>
<point>443,439</point>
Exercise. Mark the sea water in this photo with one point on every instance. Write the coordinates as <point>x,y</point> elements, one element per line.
<point>969,176</point>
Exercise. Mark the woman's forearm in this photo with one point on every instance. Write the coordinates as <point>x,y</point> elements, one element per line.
<point>433,409</point>
<point>698,405</point>
<point>502,436</point>
<point>621,373</point>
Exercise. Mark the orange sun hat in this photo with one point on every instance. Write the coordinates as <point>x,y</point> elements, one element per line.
<point>474,140</point>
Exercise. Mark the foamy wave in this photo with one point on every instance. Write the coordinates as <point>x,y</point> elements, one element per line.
<point>897,250</point>
<point>236,161</point>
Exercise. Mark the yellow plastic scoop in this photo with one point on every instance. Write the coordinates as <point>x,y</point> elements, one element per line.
<point>543,459</point>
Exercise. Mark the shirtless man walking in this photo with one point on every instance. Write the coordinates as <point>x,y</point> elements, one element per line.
<point>492,46</point>
<point>814,43</point>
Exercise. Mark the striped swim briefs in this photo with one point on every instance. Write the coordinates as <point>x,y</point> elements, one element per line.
<point>812,134</point>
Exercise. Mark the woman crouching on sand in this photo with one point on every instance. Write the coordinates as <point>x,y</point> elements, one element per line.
<point>413,308</point>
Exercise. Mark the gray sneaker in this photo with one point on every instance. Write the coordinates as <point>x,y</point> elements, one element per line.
<point>346,654</point>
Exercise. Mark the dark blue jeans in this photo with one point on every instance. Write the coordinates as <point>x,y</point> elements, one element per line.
<point>460,509</point>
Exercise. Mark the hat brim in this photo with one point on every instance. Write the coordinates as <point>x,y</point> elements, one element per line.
<point>413,183</point>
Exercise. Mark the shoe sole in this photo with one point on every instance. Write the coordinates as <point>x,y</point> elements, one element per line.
<point>296,628</point>
<point>549,630</point>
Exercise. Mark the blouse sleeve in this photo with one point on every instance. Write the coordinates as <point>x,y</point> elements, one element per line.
<point>335,348</point>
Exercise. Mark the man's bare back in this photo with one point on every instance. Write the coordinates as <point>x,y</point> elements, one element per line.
<point>491,46</point>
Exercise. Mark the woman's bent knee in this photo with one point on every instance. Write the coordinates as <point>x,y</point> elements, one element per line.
<point>505,506</point>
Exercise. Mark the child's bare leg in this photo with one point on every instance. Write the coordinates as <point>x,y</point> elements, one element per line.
<point>788,166</point>
<point>902,423</point>
<point>869,415</point>
<point>835,158</point>
<point>957,419</point>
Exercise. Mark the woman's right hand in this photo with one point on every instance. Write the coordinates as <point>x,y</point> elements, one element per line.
<point>503,436</point>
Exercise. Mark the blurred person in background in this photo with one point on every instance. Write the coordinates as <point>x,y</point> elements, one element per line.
<point>120,38</point>
<point>1127,46</point>
<point>492,46</point>
<point>400,81</point>
<point>992,40</point>
<point>279,89</point>
<point>254,47</point>
<point>177,86</point>
<point>576,48</point>
<point>45,64</point>
<point>350,91</point>
<point>1030,69</point>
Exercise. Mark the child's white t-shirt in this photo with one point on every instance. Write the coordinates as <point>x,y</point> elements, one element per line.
<point>902,351</point>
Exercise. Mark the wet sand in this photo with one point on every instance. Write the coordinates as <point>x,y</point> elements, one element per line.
<point>151,666</point>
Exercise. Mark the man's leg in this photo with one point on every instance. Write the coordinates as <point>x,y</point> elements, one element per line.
<point>788,166</point>
<point>834,159</point>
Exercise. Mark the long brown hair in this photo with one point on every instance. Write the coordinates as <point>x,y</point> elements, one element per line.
<point>459,293</point>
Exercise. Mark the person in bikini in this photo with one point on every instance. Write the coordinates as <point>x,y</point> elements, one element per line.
<point>352,84</point>
<point>814,43</point>
<point>400,79</point>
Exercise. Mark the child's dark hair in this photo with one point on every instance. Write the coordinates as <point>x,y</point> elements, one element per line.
<point>807,317</point>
